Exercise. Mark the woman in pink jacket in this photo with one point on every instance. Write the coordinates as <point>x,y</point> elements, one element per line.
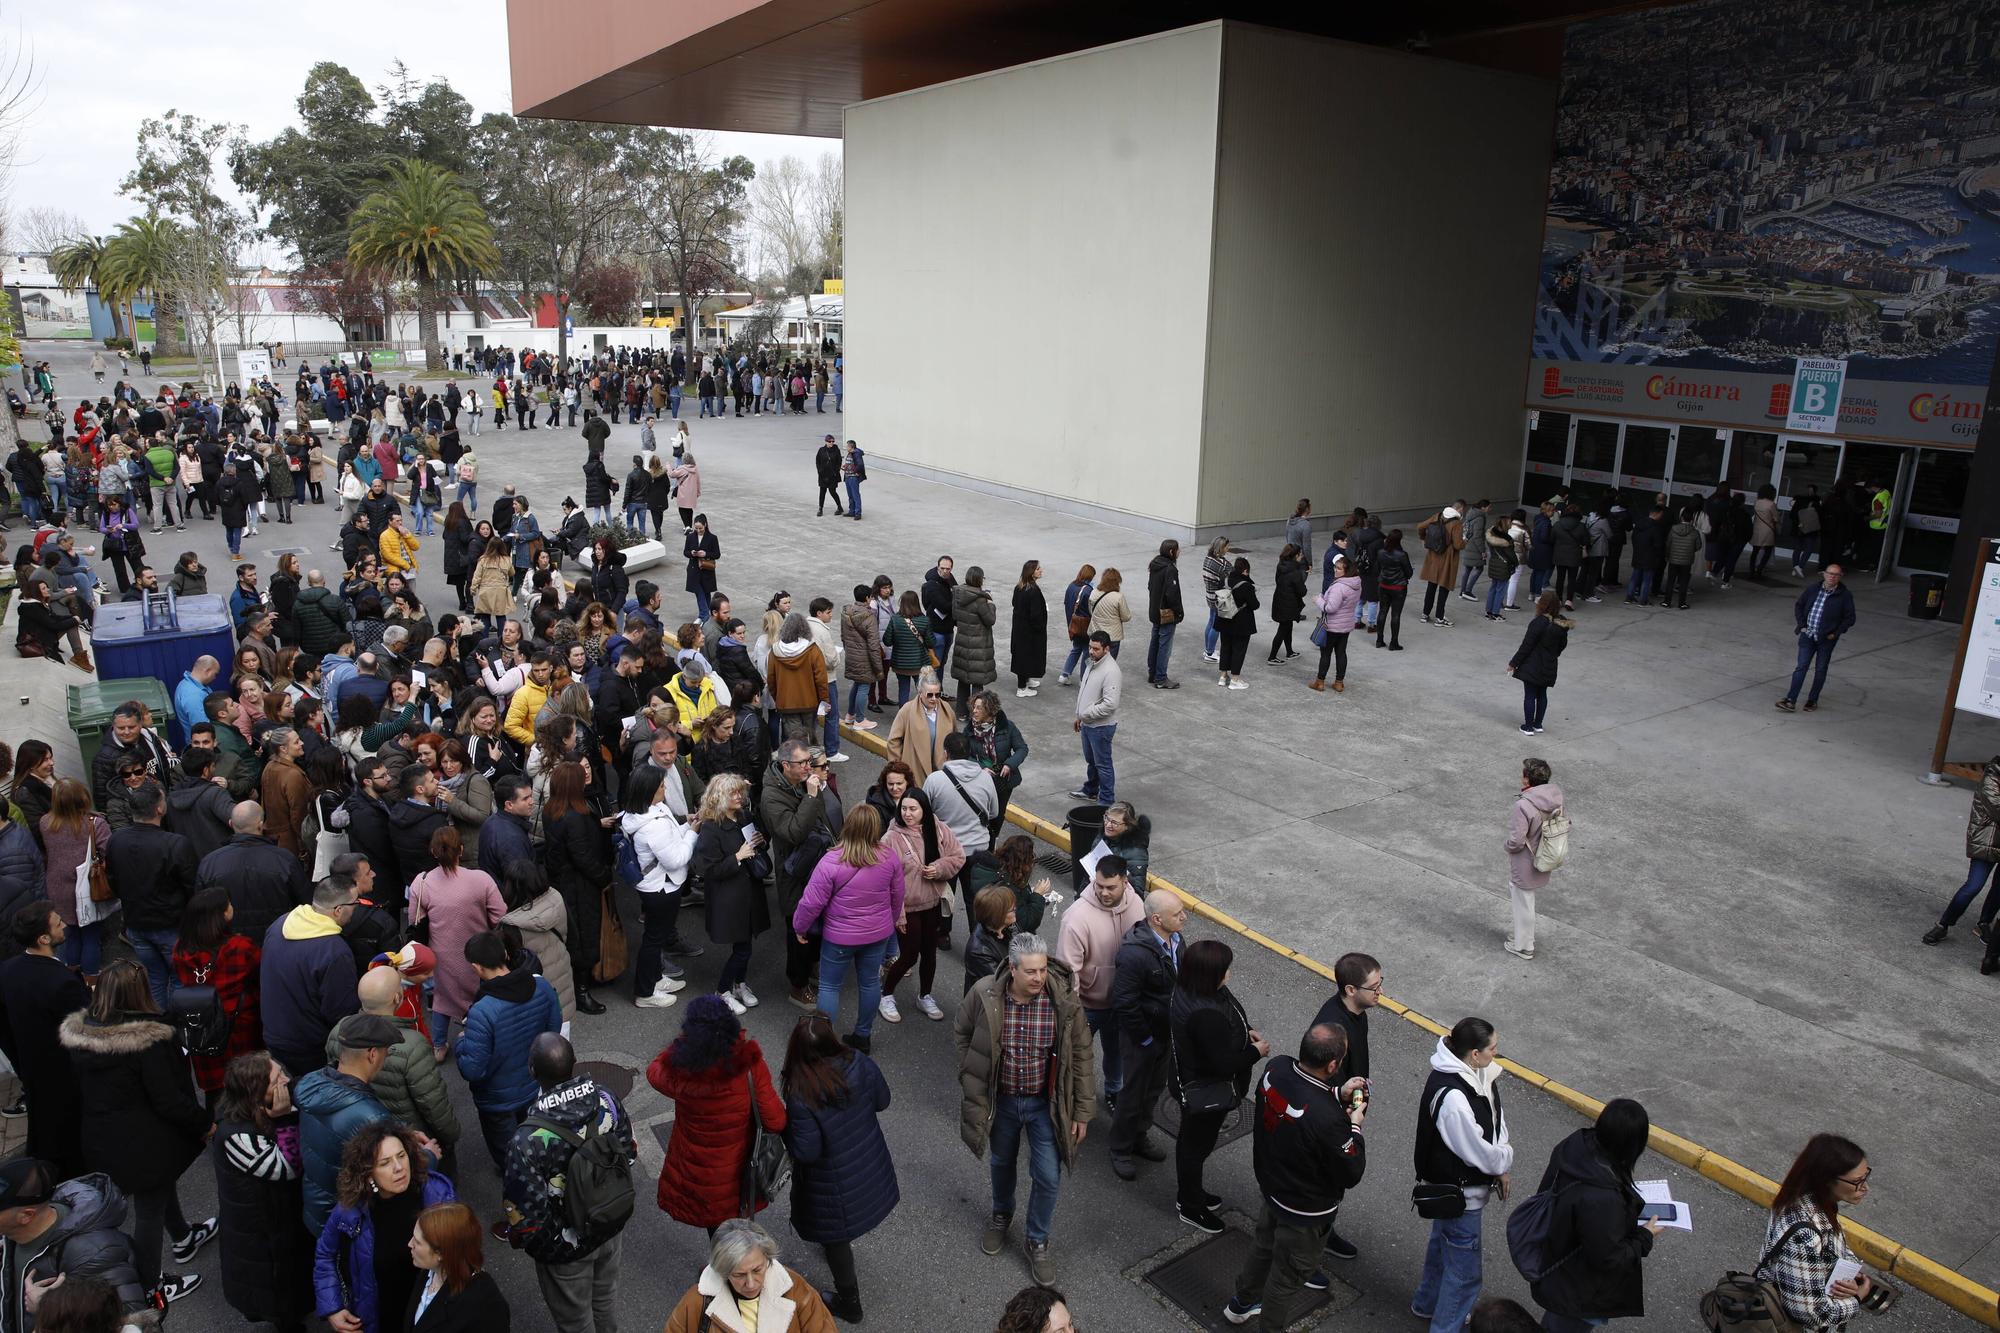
<point>931,852</point>
<point>855,897</point>
<point>687,486</point>
<point>1337,605</point>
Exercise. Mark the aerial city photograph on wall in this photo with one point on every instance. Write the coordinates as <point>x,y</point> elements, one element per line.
<point>1735,186</point>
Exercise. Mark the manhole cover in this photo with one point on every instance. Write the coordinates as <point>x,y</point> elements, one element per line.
<point>275,551</point>
<point>1201,1278</point>
<point>618,1078</point>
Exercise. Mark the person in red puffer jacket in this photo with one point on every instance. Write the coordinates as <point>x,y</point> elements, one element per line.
<point>709,1072</point>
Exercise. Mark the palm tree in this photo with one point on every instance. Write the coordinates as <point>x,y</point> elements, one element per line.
<point>424,225</point>
<point>79,264</point>
<point>141,258</point>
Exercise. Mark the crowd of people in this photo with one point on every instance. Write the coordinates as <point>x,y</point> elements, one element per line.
<point>393,844</point>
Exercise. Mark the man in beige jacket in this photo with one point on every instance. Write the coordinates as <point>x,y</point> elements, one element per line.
<point>1088,943</point>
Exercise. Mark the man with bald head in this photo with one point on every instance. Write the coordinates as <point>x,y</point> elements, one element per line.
<point>264,881</point>
<point>410,1085</point>
<point>1142,990</point>
<point>578,1273</point>
<point>192,692</point>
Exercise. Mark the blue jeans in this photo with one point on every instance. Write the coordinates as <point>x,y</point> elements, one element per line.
<point>155,951</point>
<point>1451,1280</point>
<point>1640,589</point>
<point>1538,579</point>
<point>1210,636</point>
<point>1104,1023</point>
<point>1473,569</point>
<point>1159,650</point>
<point>635,518</point>
<point>941,645</point>
<point>1976,875</point>
<point>857,698</point>
<point>866,959</point>
<point>1099,780</point>
<point>1534,703</point>
<point>854,496</point>
<point>1012,1116</point>
<point>831,739</point>
<point>235,536</point>
<point>1496,596</point>
<point>423,517</point>
<point>83,947</point>
<point>1077,649</point>
<point>1368,613</point>
<point>1805,548</point>
<point>468,494</point>
<point>1814,653</point>
<point>905,687</point>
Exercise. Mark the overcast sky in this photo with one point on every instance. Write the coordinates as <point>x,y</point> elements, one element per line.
<point>244,63</point>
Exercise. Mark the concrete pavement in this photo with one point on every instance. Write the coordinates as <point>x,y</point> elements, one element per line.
<point>1734,941</point>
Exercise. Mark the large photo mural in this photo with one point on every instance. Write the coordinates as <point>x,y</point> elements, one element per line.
<point>1737,184</point>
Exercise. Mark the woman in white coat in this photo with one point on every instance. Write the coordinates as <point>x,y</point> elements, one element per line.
<point>656,847</point>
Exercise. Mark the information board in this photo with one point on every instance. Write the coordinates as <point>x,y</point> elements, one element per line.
<point>1979,679</point>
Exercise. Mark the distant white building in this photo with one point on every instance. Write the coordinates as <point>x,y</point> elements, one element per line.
<point>804,323</point>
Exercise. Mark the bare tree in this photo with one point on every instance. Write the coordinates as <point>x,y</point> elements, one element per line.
<point>794,218</point>
<point>692,209</point>
<point>41,230</point>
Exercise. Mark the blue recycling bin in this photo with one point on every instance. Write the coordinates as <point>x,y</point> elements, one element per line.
<point>125,648</point>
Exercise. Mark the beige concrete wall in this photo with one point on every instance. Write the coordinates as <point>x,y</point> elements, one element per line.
<point>1027,268</point>
<point>1378,222</point>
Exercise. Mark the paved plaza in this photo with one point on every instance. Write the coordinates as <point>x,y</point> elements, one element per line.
<point>1734,941</point>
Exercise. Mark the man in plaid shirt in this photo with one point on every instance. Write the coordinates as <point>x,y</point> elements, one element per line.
<point>1822,614</point>
<point>1024,1061</point>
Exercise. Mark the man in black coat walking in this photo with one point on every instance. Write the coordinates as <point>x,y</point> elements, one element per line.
<point>153,873</point>
<point>1142,992</point>
<point>37,992</point>
<point>263,879</point>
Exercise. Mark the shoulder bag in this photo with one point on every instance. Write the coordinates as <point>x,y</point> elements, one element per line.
<point>769,1168</point>
<point>992,822</point>
<point>1208,1097</point>
<point>1079,623</point>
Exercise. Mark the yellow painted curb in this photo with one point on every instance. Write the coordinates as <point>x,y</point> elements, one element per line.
<point>1927,1275</point>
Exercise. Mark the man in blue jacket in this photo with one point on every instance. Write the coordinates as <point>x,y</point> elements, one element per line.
<point>306,978</point>
<point>1822,614</point>
<point>335,1103</point>
<point>191,695</point>
<point>514,1007</point>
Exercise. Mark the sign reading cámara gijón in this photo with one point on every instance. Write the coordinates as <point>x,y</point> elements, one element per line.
<point>1816,385</point>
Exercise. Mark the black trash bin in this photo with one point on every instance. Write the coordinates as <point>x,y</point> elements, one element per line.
<point>1926,596</point>
<point>1086,826</point>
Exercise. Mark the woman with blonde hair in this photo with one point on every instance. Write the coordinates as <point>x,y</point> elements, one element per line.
<point>687,482</point>
<point>729,862</point>
<point>854,899</point>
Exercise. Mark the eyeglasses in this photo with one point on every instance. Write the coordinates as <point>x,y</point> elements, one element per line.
<point>1376,988</point>
<point>1860,1184</point>
<point>933,694</point>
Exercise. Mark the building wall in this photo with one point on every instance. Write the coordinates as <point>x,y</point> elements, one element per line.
<point>1377,226</point>
<point>1027,268</point>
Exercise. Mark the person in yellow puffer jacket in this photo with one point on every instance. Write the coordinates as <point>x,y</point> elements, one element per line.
<point>399,547</point>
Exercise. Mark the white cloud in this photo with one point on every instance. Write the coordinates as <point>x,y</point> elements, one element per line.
<point>107,65</point>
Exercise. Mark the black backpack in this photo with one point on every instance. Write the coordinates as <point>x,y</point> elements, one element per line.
<point>197,1013</point>
<point>1435,538</point>
<point>597,1182</point>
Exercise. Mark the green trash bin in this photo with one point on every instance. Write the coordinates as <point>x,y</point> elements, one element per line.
<point>91,707</point>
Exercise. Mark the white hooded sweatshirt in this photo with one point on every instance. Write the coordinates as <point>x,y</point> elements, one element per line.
<point>1460,1130</point>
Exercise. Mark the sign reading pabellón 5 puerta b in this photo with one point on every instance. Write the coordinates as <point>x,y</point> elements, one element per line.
<point>1815,403</point>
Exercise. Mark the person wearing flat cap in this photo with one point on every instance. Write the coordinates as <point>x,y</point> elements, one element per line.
<point>336,1103</point>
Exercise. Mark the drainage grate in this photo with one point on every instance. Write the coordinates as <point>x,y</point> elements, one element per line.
<point>1057,864</point>
<point>1200,1279</point>
<point>1167,1115</point>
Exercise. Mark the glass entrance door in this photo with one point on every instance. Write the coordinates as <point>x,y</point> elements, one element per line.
<point>1594,460</point>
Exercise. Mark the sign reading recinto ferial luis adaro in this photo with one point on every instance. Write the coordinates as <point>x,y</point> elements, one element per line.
<point>1816,385</point>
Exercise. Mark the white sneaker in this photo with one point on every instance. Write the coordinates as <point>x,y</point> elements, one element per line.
<point>863,725</point>
<point>657,1000</point>
<point>887,1008</point>
<point>1035,684</point>
<point>736,1006</point>
<point>1798,573</point>
<point>1062,680</point>
<point>1025,693</point>
<point>1211,657</point>
<point>1239,684</point>
<point>837,758</point>
<point>744,996</point>
<point>930,1008</point>
<point>1222,679</point>
<point>668,985</point>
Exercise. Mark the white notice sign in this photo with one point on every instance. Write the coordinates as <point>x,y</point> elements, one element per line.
<point>252,363</point>
<point>1979,682</point>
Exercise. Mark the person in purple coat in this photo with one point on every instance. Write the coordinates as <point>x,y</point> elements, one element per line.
<point>855,899</point>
